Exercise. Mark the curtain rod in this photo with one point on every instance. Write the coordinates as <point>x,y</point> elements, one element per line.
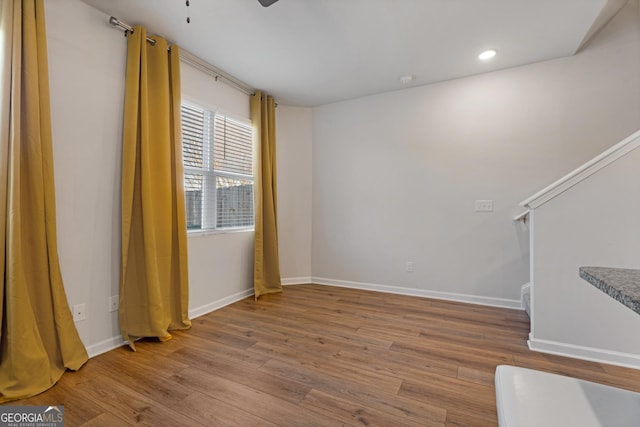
<point>115,22</point>
<point>195,62</point>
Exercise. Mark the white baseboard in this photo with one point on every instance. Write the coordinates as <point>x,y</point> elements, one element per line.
<point>106,345</point>
<point>471,299</point>
<point>608,357</point>
<point>115,342</point>
<point>296,281</point>
<point>215,305</point>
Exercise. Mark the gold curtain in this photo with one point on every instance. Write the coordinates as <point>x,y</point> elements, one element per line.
<point>154,280</point>
<point>266,264</point>
<point>39,340</point>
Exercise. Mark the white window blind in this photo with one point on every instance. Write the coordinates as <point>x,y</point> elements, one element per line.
<point>218,163</point>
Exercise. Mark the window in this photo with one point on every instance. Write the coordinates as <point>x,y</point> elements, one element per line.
<point>218,170</point>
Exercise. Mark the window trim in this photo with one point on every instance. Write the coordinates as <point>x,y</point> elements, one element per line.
<point>209,173</point>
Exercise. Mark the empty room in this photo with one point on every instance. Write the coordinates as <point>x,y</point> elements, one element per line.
<point>320,213</point>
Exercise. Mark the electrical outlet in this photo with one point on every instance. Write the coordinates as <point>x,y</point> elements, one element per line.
<point>408,267</point>
<point>114,303</point>
<point>484,205</point>
<point>79,312</point>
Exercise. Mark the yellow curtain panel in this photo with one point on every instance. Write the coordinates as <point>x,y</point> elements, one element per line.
<point>266,266</point>
<point>154,280</point>
<point>38,339</point>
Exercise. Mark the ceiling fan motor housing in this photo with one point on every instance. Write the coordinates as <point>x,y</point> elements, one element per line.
<point>266,3</point>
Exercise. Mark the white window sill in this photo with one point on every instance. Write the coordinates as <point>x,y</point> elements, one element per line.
<point>201,233</point>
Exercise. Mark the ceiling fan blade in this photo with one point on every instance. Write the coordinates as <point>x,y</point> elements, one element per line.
<point>267,3</point>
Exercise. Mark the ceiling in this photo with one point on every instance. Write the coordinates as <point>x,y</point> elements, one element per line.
<point>314,52</point>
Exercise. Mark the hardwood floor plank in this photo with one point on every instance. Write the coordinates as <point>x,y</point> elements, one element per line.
<point>76,409</point>
<point>427,319</point>
<point>617,371</point>
<point>389,332</point>
<point>446,392</point>
<point>144,360</point>
<point>105,419</point>
<point>589,371</point>
<point>211,333</point>
<point>473,342</point>
<point>477,376</point>
<point>208,351</point>
<point>353,413</point>
<point>454,353</point>
<point>246,375</point>
<point>353,373</point>
<point>354,315</point>
<point>289,333</point>
<point>129,404</point>
<point>210,411</point>
<point>155,346</point>
<point>367,395</point>
<point>314,329</point>
<point>462,418</point>
<point>397,364</point>
<point>317,355</point>
<point>255,402</point>
<point>159,389</point>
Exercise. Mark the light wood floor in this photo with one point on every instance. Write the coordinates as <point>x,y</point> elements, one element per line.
<point>317,355</point>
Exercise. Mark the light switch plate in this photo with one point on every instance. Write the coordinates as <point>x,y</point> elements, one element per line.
<point>484,205</point>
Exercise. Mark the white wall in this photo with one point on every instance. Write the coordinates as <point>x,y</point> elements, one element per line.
<point>220,264</point>
<point>293,156</point>
<point>86,69</point>
<point>594,223</point>
<point>395,176</point>
<point>87,60</point>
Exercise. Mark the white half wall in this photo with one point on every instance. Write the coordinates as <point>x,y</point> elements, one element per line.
<point>594,223</point>
<point>395,175</point>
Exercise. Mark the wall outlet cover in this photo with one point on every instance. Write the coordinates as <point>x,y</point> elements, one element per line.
<point>79,312</point>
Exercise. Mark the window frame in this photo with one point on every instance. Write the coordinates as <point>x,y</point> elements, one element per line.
<point>209,174</point>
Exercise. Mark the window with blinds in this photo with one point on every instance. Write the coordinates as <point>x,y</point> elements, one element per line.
<point>218,170</point>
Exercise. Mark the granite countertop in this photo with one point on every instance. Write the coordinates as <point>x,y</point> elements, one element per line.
<point>621,284</point>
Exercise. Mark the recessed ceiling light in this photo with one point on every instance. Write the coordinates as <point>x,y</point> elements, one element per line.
<point>487,54</point>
